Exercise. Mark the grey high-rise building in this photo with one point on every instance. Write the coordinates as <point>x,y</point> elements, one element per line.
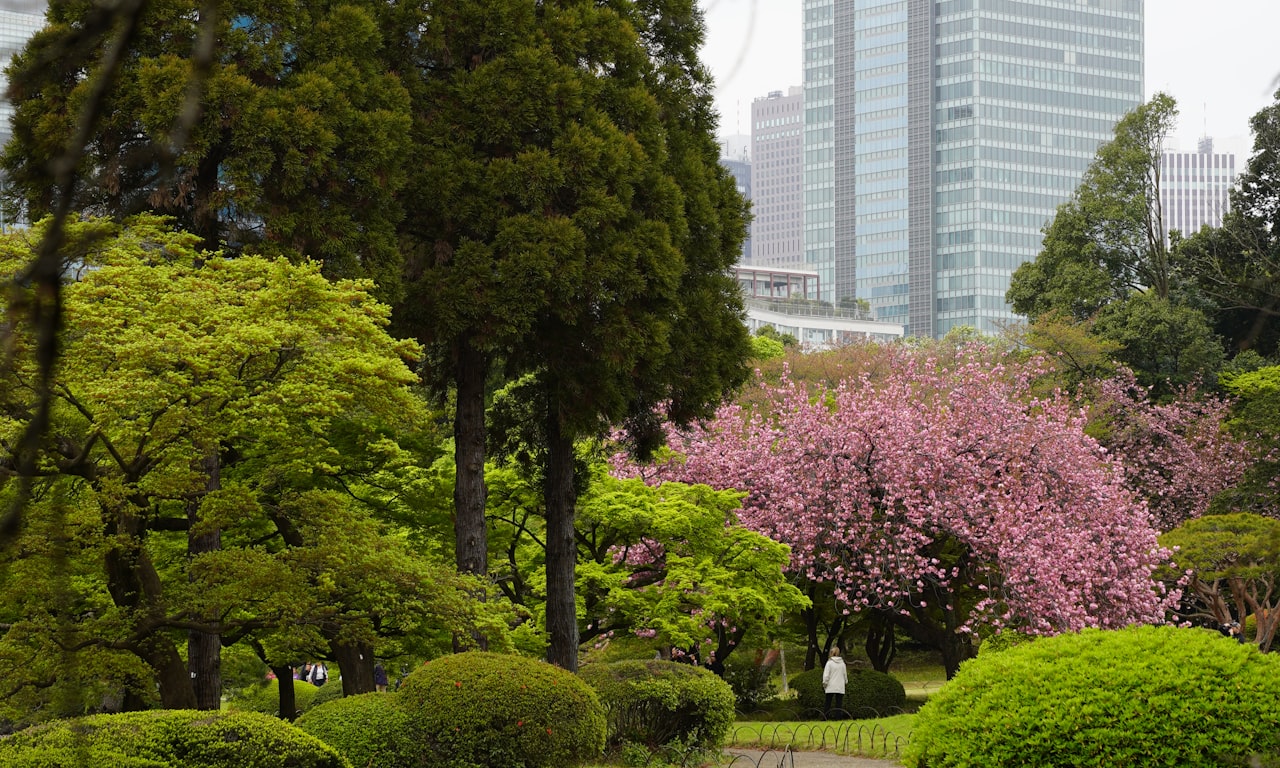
<point>777,154</point>
<point>1195,188</point>
<point>741,171</point>
<point>940,137</point>
<point>18,22</point>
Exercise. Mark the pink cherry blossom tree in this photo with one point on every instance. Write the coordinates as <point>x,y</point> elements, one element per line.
<point>1176,454</point>
<point>944,495</point>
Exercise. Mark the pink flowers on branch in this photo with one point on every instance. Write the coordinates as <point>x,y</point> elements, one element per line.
<point>945,495</point>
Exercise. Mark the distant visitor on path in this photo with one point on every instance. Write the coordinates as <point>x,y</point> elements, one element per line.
<point>379,678</point>
<point>834,677</point>
<point>318,675</point>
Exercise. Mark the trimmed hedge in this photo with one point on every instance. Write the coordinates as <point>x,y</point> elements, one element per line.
<point>486,710</point>
<point>168,739</point>
<point>868,694</point>
<point>657,702</point>
<point>1137,697</point>
<point>330,691</point>
<point>370,730</point>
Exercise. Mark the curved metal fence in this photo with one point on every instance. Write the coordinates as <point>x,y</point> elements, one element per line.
<point>845,737</point>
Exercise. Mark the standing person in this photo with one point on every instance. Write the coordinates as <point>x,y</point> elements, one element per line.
<point>319,675</point>
<point>834,677</point>
<point>379,678</point>
<point>303,672</point>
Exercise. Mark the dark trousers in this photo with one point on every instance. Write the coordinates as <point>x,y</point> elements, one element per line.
<point>834,701</point>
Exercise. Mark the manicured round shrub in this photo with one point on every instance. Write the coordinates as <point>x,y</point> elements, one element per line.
<point>330,691</point>
<point>656,702</point>
<point>871,694</point>
<point>808,688</point>
<point>488,710</point>
<point>169,739</point>
<point>1137,697</point>
<point>370,730</point>
<point>265,697</point>
<point>868,694</point>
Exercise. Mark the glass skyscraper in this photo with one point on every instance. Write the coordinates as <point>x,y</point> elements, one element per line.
<point>940,137</point>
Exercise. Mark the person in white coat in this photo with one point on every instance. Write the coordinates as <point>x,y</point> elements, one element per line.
<point>834,677</point>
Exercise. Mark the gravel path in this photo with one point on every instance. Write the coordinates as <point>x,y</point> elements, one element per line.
<point>749,758</point>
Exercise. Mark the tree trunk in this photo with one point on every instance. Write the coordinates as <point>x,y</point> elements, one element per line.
<point>204,649</point>
<point>288,700</point>
<point>562,553</point>
<point>355,661</point>
<point>882,642</point>
<point>134,585</point>
<point>469,492</point>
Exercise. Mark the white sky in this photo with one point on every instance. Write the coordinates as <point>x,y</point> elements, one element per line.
<point>1218,58</point>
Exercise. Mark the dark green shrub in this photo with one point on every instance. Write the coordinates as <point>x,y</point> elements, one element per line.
<point>868,694</point>
<point>1137,697</point>
<point>655,703</point>
<point>808,688</point>
<point>871,694</point>
<point>370,730</point>
<point>751,681</point>
<point>488,710</point>
<point>168,739</point>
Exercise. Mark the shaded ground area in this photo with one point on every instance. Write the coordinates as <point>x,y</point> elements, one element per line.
<point>751,758</point>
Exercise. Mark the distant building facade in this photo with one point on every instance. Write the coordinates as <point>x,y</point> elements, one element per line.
<point>741,170</point>
<point>777,154</point>
<point>940,137</point>
<point>18,23</point>
<point>1195,188</point>
<point>783,299</point>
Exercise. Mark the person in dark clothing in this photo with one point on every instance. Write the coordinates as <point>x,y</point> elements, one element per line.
<point>379,677</point>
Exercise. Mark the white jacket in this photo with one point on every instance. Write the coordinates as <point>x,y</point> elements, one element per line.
<point>834,675</point>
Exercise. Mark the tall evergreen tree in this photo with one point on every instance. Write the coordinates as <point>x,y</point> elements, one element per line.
<point>578,227</point>
<point>272,128</point>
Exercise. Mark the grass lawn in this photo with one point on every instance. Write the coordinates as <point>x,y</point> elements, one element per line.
<point>881,737</point>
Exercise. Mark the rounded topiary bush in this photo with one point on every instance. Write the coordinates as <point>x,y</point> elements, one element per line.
<point>1138,697</point>
<point>657,702</point>
<point>370,730</point>
<point>264,698</point>
<point>871,694</point>
<point>495,711</point>
<point>868,694</point>
<point>808,688</point>
<point>169,739</point>
<point>330,691</point>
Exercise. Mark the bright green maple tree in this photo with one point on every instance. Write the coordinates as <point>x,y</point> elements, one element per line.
<point>291,383</point>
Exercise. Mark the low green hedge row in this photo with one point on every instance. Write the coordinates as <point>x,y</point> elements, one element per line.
<point>168,739</point>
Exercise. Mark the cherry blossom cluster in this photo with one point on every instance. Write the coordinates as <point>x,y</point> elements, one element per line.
<point>1176,455</point>
<point>938,483</point>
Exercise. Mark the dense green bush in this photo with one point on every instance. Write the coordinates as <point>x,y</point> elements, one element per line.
<point>868,693</point>
<point>654,703</point>
<point>370,730</point>
<point>752,682</point>
<point>330,691</point>
<point>488,710</point>
<point>168,739</point>
<point>265,697</point>
<point>1138,697</point>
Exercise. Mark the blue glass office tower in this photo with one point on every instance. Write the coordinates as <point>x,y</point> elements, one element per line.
<point>940,137</point>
